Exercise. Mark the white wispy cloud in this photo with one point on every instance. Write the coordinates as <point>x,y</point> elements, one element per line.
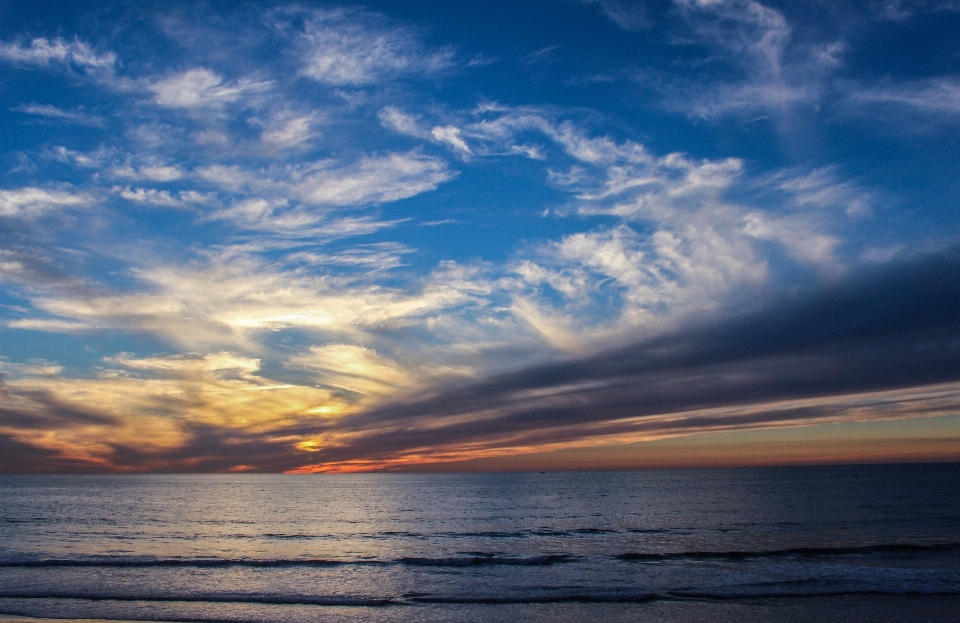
<point>613,282</point>
<point>900,10</point>
<point>823,188</point>
<point>357,369</point>
<point>627,14</point>
<point>229,177</point>
<point>697,247</point>
<point>52,112</point>
<point>288,131</point>
<point>375,179</point>
<point>758,32</point>
<point>449,135</point>
<point>750,42</point>
<point>231,297</point>
<point>149,195</point>
<point>151,169</point>
<point>708,235</point>
<point>932,96</point>
<point>203,88</point>
<point>754,61</point>
<point>164,198</point>
<point>401,122</point>
<point>279,218</point>
<point>683,198</point>
<point>43,51</point>
<point>351,47</point>
<point>86,160</point>
<point>374,257</point>
<point>299,198</point>
<point>31,202</point>
<point>801,237</point>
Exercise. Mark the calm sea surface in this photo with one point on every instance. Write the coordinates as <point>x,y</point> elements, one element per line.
<point>391,547</point>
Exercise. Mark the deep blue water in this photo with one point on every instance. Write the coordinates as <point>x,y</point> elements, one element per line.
<point>395,546</point>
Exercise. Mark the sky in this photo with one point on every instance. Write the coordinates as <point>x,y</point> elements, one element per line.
<point>446,236</point>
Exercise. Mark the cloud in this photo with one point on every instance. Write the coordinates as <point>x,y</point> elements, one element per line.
<point>750,41</point>
<point>31,202</point>
<point>377,179</point>
<point>150,170</point>
<point>618,283</point>
<point>460,437</point>
<point>611,282</point>
<point>202,88</point>
<point>280,219</point>
<point>682,248</point>
<point>351,47</point>
<point>698,246</point>
<point>233,298</point>
<point>900,10</point>
<point>23,264</point>
<point>163,198</point>
<point>17,457</point>
<point>543,56</point>
<point>356,369</point>
<point>307,200</point>
<point>749,28</point>
<point>42,51</point>
<point>799,237</point>
<point>289,131</point>
<point>371,180</point>
<point>629,15</point>
<point>289,335</point>
<point>450,135</point>
<point>738,57</point>
<point>401,122</point>
<point>375,257</point>
<point>701,234</point>
<point>229,177</point>
<point>51,326</point>
<point>931,96</point>
<point>85,160</point>
<point>52,112</point>
<point>151,408</point>
<point>882,343</point>
<point>744,57</point>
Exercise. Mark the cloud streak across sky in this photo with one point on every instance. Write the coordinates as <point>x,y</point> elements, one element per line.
<point>331,237</point>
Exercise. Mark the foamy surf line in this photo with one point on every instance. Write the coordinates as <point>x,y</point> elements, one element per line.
<point>795,552</point>
<point>763,590</point>
<point>16,618</point>
<point>832,609</point>
<point>469,559</point>
<point>466,560</point>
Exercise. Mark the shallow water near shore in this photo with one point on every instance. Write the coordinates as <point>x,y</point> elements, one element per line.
<point>838,609</point>
<point>849,542</point>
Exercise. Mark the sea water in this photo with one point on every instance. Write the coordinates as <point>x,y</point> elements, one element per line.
<point>628,545</point>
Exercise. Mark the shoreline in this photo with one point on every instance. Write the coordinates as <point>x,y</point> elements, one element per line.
<point>826,609</point>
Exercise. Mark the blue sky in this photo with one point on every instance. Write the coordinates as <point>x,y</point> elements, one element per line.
<point>326,236</point>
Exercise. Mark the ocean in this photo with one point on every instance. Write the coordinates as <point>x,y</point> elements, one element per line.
<point>844,543</point>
